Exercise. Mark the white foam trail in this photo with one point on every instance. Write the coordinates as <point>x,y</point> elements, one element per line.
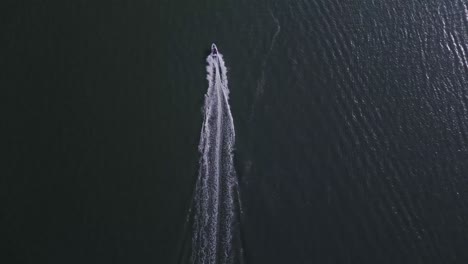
<point>216,235</point>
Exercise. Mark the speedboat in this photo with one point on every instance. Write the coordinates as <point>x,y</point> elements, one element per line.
<point>214,50</point>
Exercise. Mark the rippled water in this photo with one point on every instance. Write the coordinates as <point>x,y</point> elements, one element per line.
<point>352,131</point>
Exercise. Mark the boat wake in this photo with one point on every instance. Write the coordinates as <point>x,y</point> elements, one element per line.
<point>216,233</point>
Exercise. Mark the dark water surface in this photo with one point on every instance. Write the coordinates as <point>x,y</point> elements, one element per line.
<point>351,128</point>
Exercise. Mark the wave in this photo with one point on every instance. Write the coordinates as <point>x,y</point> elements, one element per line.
<point>216,232</point>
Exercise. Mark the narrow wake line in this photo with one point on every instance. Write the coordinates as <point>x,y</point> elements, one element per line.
<point>261,81</point>
<point>216,233</point>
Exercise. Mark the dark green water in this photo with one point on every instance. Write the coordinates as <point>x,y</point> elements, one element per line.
<point>351,128</point>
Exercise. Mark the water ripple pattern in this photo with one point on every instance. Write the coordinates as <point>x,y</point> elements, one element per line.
<point>216,236</point>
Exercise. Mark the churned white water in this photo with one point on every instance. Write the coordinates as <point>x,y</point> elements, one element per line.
<point>216,205</point>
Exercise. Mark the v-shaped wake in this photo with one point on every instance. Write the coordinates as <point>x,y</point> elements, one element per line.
<point>216,234</point>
